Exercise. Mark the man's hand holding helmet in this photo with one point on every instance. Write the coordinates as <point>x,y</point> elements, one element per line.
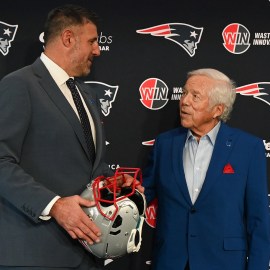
<point>107,218</point>
<point>69,214</point>
<point>128,180</point>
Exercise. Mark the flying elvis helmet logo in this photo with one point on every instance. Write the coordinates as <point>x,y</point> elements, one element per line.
<point>7,35</point>
<point>259,90</point>
<point>185,35</point>
<point>106,94</point>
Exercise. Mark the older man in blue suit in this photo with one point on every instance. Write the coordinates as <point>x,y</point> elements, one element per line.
<point>211,185</point>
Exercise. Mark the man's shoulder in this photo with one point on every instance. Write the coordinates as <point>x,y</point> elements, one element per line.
<point>22,72</point>
<point>242,134</point>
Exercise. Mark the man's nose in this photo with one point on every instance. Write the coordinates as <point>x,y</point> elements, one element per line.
<point>96,50</point>
<point>185,99</point>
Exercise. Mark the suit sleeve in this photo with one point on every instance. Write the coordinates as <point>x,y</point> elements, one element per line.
<point>258,228</point>
<point>17,187</point>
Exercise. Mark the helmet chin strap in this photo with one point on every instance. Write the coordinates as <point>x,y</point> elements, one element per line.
<point>135,239</point>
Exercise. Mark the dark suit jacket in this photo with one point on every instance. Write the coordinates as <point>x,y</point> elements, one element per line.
<point>230,219</point>
<point>42,154</point>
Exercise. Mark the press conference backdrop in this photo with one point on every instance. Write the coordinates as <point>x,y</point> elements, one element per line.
<point>142,68</point>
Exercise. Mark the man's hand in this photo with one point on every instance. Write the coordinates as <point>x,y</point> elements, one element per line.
<point>125,180</point>
<point>68,213</point>
<point>129,181</point>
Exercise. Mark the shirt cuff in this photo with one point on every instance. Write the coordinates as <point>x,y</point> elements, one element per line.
<point>46,211</point>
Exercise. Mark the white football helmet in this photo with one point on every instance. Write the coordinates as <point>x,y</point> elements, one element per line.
<point>119,213</point>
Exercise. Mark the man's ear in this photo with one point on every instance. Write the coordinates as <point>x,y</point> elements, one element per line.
<point>218,110</point>
<point>67,37</point>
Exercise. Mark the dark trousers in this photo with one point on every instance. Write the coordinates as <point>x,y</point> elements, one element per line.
<point>87,264</point>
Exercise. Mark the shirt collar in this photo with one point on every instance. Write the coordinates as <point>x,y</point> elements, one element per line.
<point>211,135</point>
<point>58,74</point>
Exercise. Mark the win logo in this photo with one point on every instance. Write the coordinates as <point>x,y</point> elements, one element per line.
<point>236,38</point>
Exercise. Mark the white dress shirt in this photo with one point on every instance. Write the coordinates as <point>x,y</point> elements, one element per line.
<point>196,159</point>
<point>60,77</point>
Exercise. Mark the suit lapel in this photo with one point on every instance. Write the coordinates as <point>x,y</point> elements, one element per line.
<point>55,94</point>
<point>178,169</point>
<point>222,149</point>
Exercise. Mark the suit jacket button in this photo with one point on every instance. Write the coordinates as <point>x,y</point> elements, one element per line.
<point>192,210</point>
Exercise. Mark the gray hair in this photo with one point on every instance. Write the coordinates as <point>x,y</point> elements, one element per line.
<point>223,91</point>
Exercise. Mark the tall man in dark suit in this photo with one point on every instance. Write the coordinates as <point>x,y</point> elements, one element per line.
<point>44,158</point>
<point>211,185</point>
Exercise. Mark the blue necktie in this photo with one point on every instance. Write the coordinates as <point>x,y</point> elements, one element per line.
<point>83,117</point>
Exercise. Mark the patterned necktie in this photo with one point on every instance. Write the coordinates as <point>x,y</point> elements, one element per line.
<point>83,117</point>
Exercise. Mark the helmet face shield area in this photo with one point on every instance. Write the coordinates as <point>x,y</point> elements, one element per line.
<point>108,191</point>
<point>118,213</point>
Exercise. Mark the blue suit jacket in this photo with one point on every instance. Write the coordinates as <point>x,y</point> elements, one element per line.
<point>230,219</point>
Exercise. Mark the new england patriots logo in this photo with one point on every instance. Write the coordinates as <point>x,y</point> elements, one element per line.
<point>106,94</point>
<point>149,143</point>
<point>7,35</point>
<point>185,35</point>
<point>259,90</point>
